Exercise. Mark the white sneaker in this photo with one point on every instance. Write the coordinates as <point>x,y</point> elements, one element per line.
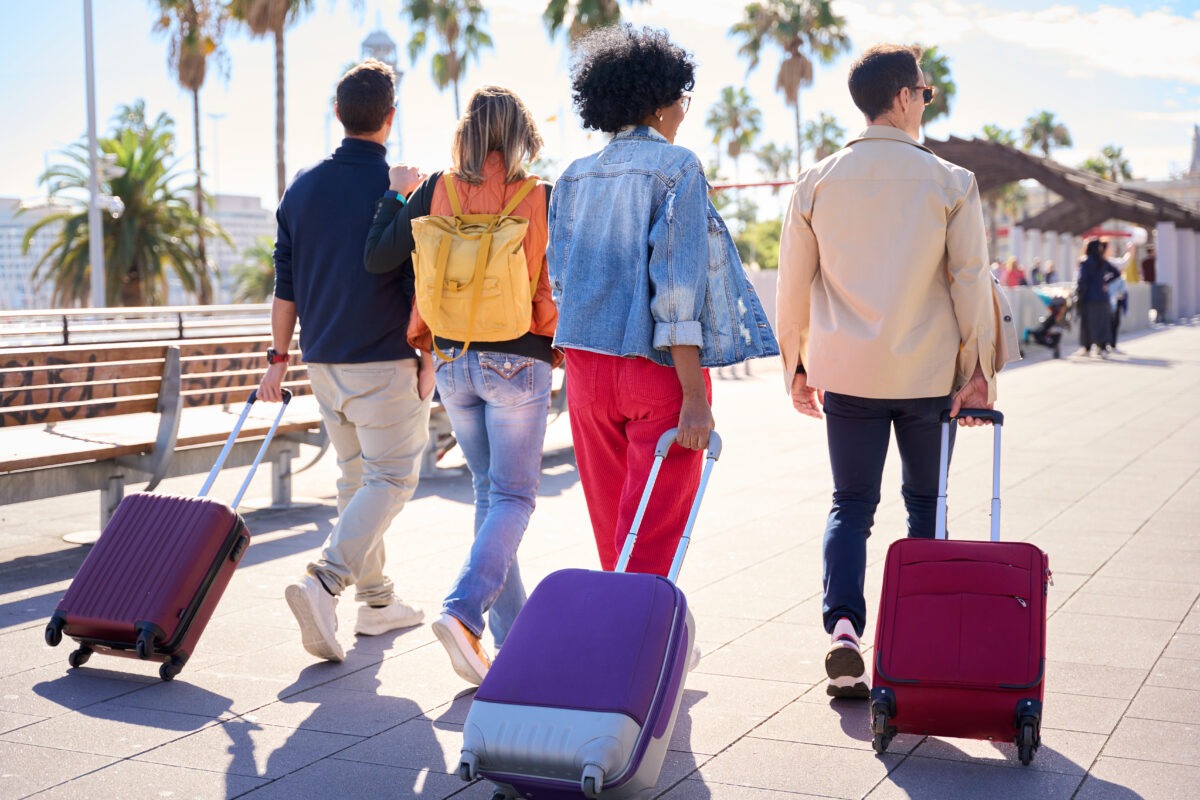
<point>374,621</point>
<point>467,655</point>
<point>844,663</point>
<point>315,610</point>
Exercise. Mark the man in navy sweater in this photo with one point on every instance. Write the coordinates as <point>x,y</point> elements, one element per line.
<point>374,398</point>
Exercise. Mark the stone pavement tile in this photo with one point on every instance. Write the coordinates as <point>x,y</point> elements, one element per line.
<point>944,778</point>
<point>1142,599</point>
<point>762,592</point>
<point>330,710</point>
<point>1191,623</point>
<point>336,778</point>
<point>238,747</point>
<point>717,710</point>
<point>1064,588</point>
<point>110,729</point>
<point>775,652</point>
<point>208,693</point>
<point>1171,704</point>
<point>1179,673</point>
<point>787,766</point>
<point>1076,712</point>
<point>26,649</point>
<point>54,690</point>
<point>25,769</point>
<point>1078,550</point>
<point>418,744</point>
<point>679,766</point>
<point>838,723</point>
<point>696,789</point>
<point>1120,683</point>
<point>1184,645</point>
<point>1150,562</point>
<point>1106,641</point>
<point>1155,740</point>
<point>423,676</point>
<point>1067,752</point>
<point>10,721</point>
<point>712,630</point>
<point>1130,779</point>
<point>139,779</point>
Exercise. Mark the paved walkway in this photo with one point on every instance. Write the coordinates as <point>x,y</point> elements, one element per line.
<point>1101,469</point>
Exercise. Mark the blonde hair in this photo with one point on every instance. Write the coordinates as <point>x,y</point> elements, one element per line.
<point>495,121</point>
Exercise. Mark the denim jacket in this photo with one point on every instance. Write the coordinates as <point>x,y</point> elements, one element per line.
<point>640,260</point>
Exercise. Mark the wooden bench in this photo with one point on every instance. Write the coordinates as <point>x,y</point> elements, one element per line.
<point>94,417</point>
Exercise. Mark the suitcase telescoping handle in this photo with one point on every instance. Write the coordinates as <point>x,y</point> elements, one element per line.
<point>997,420</point>
<point>237,428</point>
<point>660,453</point>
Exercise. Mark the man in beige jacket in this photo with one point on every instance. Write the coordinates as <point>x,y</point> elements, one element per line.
<point>885,318</point>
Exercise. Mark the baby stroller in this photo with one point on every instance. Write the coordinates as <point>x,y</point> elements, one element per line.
<point>1049,330</point>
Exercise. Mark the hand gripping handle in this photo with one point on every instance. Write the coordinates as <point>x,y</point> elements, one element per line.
<point>660,453</point>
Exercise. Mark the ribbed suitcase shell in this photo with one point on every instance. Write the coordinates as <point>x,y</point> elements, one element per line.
<point>961,635</point>
<point>158,569</point>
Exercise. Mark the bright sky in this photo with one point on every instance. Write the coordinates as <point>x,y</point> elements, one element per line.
<point>1124,73</point>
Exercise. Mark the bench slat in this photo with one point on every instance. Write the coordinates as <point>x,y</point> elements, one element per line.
<point>77,409</point>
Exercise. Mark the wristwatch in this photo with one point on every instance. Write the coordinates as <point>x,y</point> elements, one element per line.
<point>275,357</point>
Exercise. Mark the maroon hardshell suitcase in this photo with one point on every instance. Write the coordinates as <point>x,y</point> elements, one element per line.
<point>960,640</point>
<point>153,579</point>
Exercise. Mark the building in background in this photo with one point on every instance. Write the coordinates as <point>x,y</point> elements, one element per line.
<point>246,221</point>
<point>1184,189</point>
<point>17,288</point>
<point>379,46</point>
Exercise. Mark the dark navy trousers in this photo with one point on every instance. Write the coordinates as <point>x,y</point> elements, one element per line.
<point>859,430</point>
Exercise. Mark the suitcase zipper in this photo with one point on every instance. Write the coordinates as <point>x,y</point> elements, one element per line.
<point>1021,600</point>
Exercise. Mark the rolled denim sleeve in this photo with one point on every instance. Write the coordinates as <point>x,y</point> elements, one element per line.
<point>679,260</point>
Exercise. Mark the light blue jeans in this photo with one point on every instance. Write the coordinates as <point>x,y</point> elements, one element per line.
<point>497,405</point>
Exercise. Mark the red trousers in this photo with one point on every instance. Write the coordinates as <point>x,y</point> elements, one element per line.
<point>619,407</point>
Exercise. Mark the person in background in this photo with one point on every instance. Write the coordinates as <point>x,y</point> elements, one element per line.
<point>1091,287</point>
<point>496,394</point>
<point>373,395</point>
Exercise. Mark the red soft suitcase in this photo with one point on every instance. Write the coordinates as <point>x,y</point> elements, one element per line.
<point>960,640</point>
<point>151,582</point>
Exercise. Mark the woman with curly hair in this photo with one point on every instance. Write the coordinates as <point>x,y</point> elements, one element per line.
<point>650,292</point>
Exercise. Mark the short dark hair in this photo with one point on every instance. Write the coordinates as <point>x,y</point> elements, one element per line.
<point>880,73</point>
<point>623,74</point>
<point>365,95</point>
<point>1094,248</point>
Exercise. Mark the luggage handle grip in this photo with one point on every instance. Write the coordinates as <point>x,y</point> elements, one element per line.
<point>660,453</point>
<point>237,428</point>
<point>977,413</point>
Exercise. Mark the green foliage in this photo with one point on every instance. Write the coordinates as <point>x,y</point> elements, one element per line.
<point>824,136</point>
<point>936,67</point>
<point>1044,132</point>
<point>255,272</point>
<point>775,163</point>
<point>758,243</point>
<point>735,121</point>
<point>153,236</point>
<point>586,15</point>
<point>994,133</point>
<point>458,27</point>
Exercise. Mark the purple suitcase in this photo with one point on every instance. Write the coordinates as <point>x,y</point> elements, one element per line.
<point>583,698</point>
<point>153,579</point>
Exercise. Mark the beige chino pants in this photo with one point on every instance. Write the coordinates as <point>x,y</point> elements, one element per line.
<point>378,426</point>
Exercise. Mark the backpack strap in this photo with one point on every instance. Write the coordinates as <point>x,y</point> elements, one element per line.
<point>452,196</point>
<point>525,189</point>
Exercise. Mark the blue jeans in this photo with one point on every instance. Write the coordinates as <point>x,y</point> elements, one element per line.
<point>859,430</point>
<point>497,405</point>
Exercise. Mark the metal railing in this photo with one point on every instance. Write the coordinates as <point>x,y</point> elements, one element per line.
<point>40,328</point>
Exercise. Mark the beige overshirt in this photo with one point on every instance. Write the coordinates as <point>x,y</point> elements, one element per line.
<point>884,289</point>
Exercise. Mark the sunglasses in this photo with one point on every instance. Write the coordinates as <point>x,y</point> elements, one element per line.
<point>927,93</point>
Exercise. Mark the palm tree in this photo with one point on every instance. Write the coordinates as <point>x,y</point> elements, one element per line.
<point>457,25</point>
<point>735,121</point>
<point>1118,166</point>
<point>801,30</point>
<point>153,232</point>
<point>586,15</point>
<point>254,274</point>
<point>271,17</point>
<point>936,67</point>
<point>775,162</point>
<point>194,28</point>
<point>824,136</point>
<point>1044,132</point>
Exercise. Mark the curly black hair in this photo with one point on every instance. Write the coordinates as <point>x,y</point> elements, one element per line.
<point>622,74</point>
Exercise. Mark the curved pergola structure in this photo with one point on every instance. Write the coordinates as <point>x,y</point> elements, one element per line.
<point>1087,199</point>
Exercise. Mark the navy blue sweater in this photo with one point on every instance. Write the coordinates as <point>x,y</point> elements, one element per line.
<point>347,315</point>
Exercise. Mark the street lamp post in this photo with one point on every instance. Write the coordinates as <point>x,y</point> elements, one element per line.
<point>95,226</point>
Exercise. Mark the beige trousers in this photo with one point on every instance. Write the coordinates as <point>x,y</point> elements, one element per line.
<point>378,426</point>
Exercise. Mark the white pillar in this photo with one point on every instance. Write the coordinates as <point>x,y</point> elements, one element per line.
<point>1064,262</point>
<point>1016,242</point>
<point>1196,273</point>
<point>1168,266</point>
<point>1187,268</point>
<point>1033,242</point>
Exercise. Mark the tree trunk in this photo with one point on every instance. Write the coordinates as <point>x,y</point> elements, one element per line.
<point>131,289</point>
<point>280,168</point>
<point>203,285</point>
<point>799,134</point>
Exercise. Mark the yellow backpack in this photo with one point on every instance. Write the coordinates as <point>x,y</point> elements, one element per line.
<point>472,279</point>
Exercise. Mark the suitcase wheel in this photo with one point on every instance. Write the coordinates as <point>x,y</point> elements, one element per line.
<point>169,670</point>
<point>79,657</point>
<point>145,645</point>
<point>54,631</point>
<point>1027,741</point>
<point>882,709</point>
<point>468,766</point>
<point>592,781</point>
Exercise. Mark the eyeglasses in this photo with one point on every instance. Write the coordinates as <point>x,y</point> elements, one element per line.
<point>686,101</point>
<point>927,93</point>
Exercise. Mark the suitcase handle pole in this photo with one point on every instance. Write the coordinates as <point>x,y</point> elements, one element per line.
<point>237,428</point>
<point>660,453</point>
<point>997,419</point>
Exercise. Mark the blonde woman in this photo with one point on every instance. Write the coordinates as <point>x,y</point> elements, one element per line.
<point>497,393</point>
